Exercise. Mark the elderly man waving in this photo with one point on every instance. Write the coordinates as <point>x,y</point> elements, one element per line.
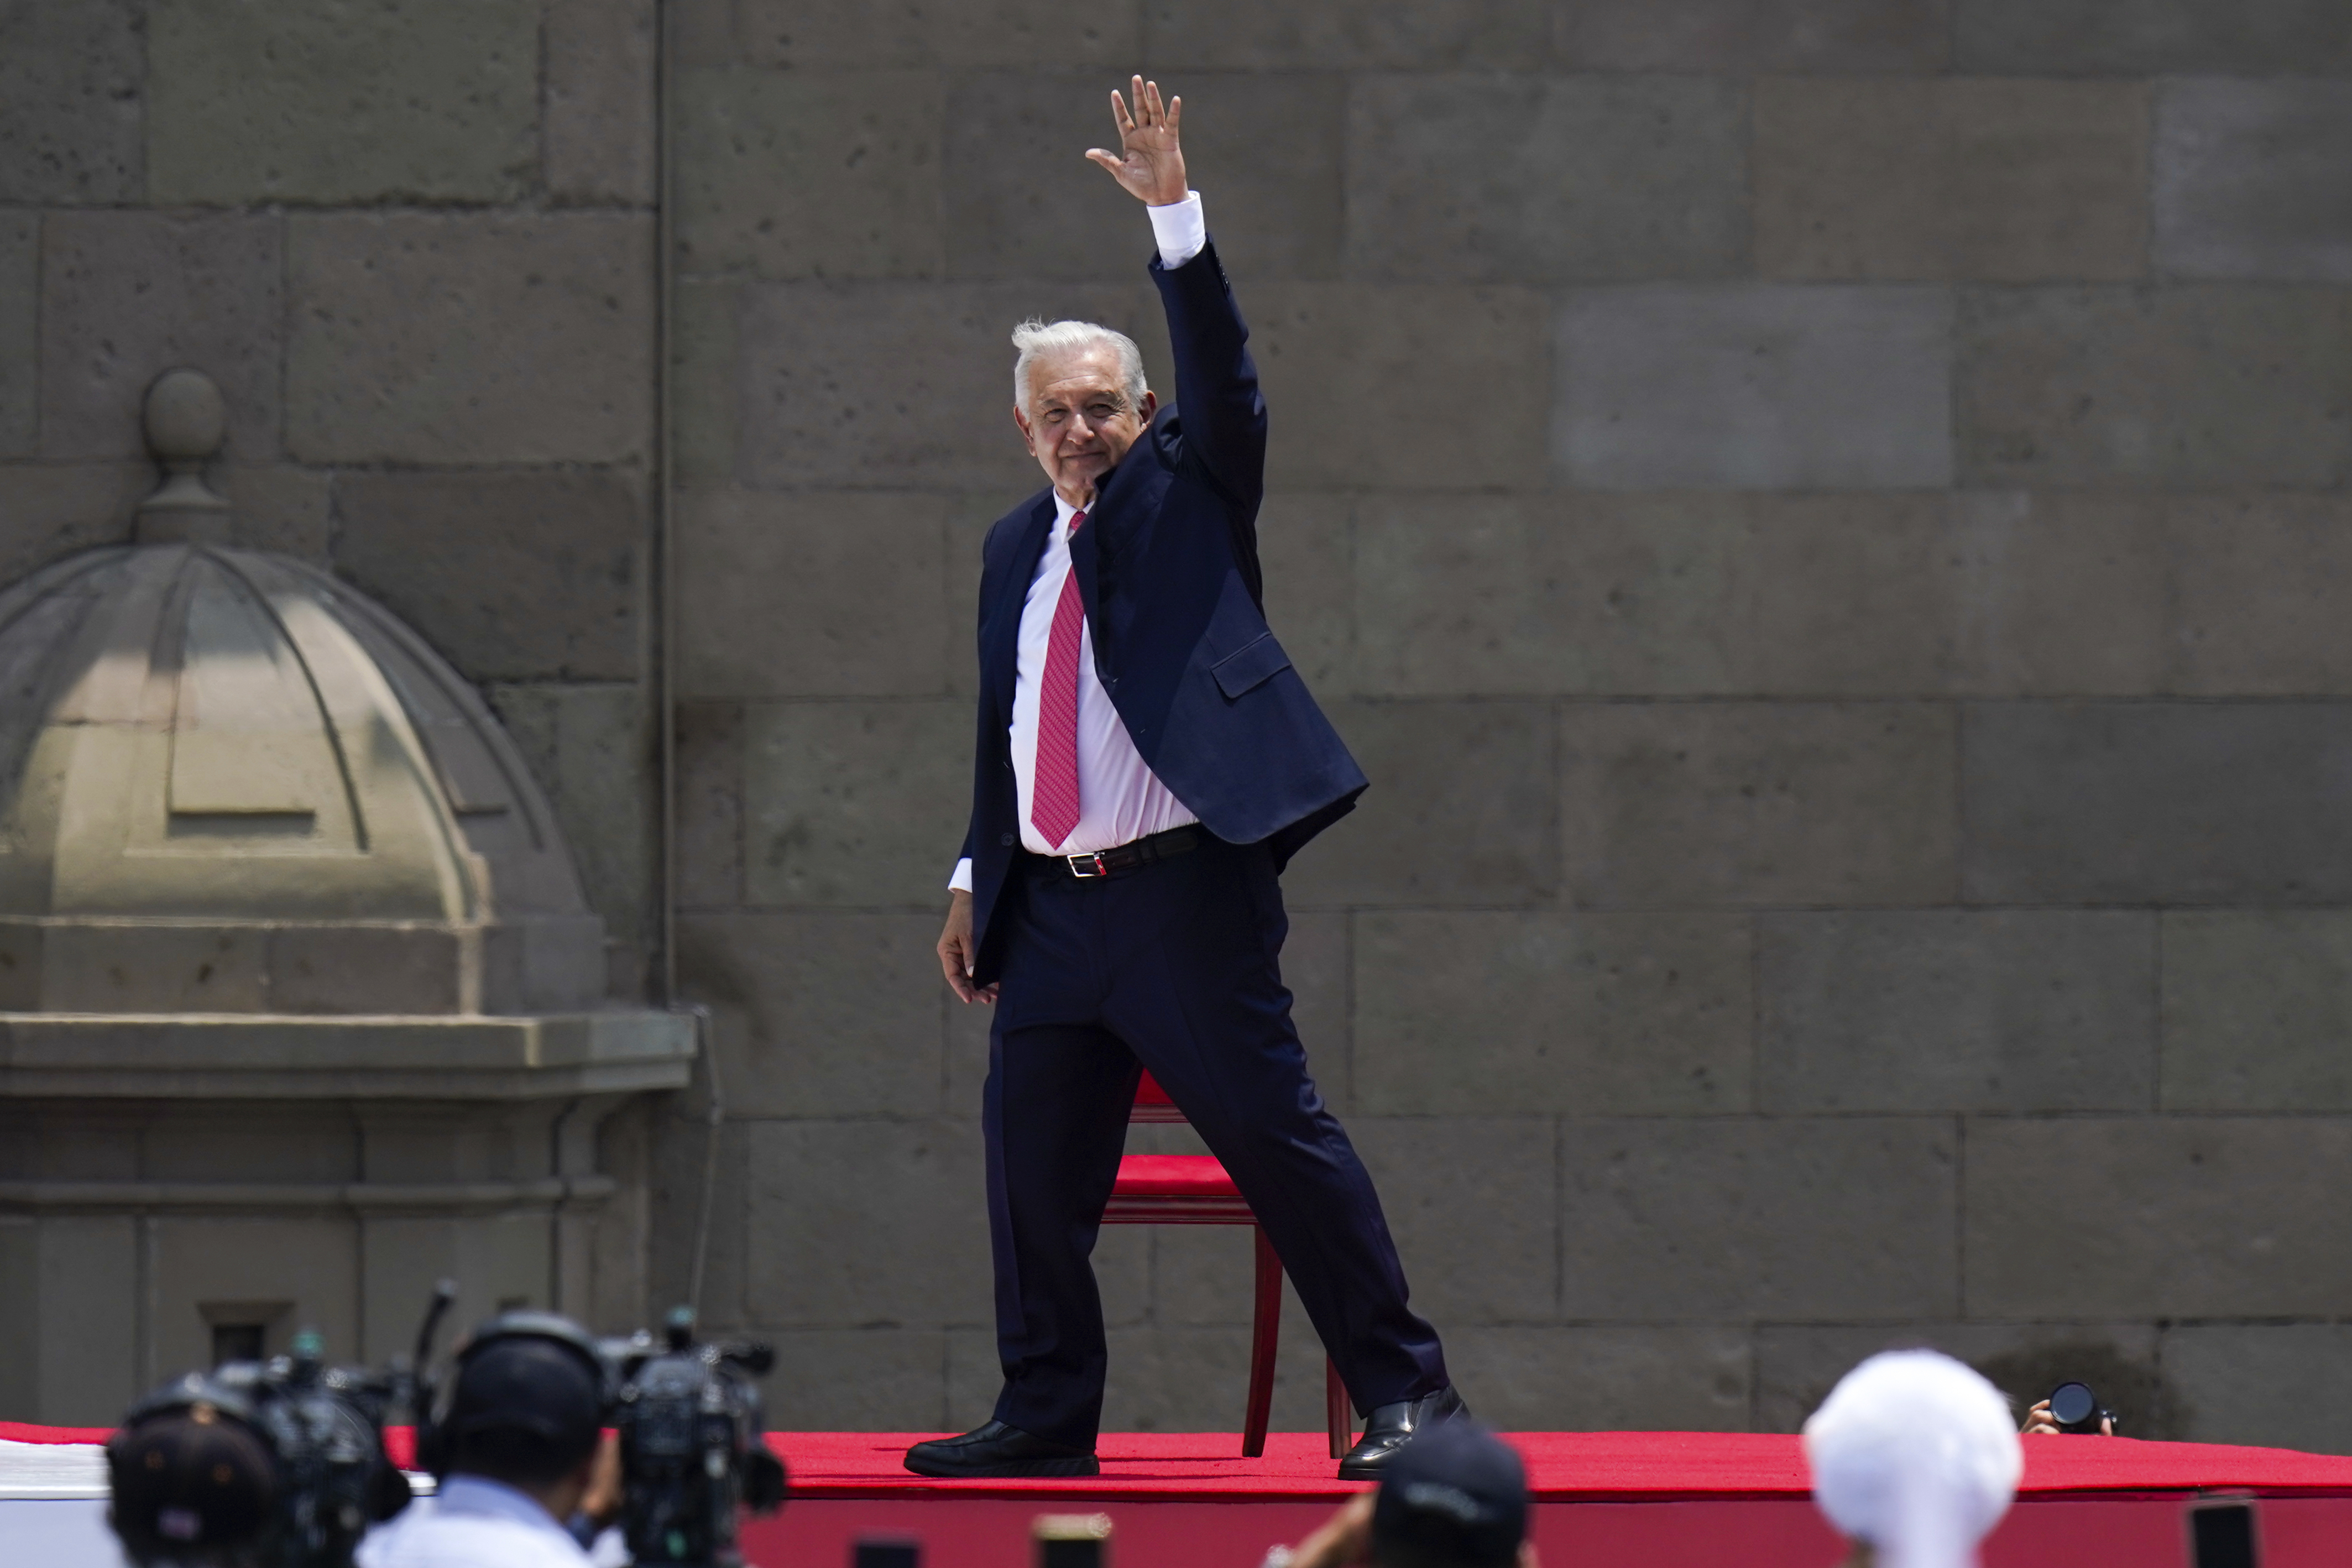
<point>1147,762</point>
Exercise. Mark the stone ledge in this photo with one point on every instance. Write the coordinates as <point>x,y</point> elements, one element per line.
<point>261,1057</point>
<point>277,1197</point>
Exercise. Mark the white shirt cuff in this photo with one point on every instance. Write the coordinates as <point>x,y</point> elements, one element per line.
<point>1181,229</point>
<point>961,881</point>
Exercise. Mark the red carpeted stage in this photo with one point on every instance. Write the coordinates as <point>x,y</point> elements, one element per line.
<point>1660,1499</point>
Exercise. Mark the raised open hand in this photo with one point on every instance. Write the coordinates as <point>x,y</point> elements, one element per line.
<point>1148,164</point>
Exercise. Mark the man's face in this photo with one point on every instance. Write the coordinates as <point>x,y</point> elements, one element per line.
<point>1079,422</point>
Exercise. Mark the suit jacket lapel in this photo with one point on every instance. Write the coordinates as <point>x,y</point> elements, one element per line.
<point>1005,642</point>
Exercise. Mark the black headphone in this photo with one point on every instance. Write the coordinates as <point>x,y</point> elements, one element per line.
<point>433,1442</point>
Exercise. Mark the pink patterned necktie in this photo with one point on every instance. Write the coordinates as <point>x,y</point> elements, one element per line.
<point>1054,801</point>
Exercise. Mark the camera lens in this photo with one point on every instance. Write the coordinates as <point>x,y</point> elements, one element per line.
<point>2072,1404</point>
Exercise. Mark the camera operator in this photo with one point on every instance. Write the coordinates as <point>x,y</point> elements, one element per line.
<point>194,1485</point>
<point>518,1453</point>
<point>1456,1496</point>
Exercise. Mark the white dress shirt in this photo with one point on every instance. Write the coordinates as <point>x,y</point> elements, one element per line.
<point>1120,799</point>
<point>472,1522</point>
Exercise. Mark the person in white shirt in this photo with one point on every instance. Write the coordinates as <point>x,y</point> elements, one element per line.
<point>524,1447</point>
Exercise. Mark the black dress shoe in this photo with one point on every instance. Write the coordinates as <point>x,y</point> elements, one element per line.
<point>997,1449</point>
<point>1390,1426</point>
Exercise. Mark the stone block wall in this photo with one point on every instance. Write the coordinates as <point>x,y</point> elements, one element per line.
<point>414,245</point>
<point>1825,523</point>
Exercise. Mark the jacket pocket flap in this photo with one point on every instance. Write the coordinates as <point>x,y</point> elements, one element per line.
<point>1250,666</point>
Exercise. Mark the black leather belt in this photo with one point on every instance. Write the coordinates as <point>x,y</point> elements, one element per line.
<point>1139,852</point>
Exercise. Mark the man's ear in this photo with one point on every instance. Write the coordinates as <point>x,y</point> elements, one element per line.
<point>1028,436</point>
<point>1150,402</point>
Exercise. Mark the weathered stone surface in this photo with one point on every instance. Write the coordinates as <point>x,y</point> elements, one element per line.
<point>2059,593</point>
<point>74,1309</point>
<point>2149,37</point>
<point>900,384</point>
<point>863,1379</point>
<point>1956,1010</point>
<point>309,1266</point>
<point>793,174</point>
<point>511,575</point>
<point>1122,1264</point>
<point>1492,1012</point>
<point>1317,964</point>
<point>905,1243</point>
<point>1416,35</point>
<point>592,749</point>
<point>1565,178</point>
<point>2081,803</point>
<point>321,969</point>
<point>819,1014</point>
<point>127,969</point>
<point>711,804</point>
<point>853,803</point>
<point>2209,387</point>
<point>471,338</point>
<point>1470,1201</point>
<point>1846,1217</point>
<point>2248,179</point>
<point>1794,804</point>
<point>1715,592</point>
<point>2162,1217</point>
<point>1934,178</point>
<point>1333,356</point>
<point>597,141</point>
<point>1581,1379</point>
<point>2257,1005</point>
<point>420,99</point>
<point>1202,1274</point>
<point>52,510</point>
<point>822,594</point>
<point>1022,203</point>
<point>2278,1385</point>
<point>127,295</point>
<point>868,35</point>
<point>2259,582</point>
<point>20,332</point>
<point>706,419</point>
<point>1276,142</point>
<point>1458,812</point>
<point>354,102</point>
<point>682,1175</point>
<point>970,517</point>
<point>1754,386</point>
<point>279,507</point>
<point>70,103</point>
<point>1797,1364</point>
<point>1306,548</point>
<point>1745,36</point>
<point>1164,1378</point>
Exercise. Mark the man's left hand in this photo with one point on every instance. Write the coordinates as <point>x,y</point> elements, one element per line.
<point>1149,165</point>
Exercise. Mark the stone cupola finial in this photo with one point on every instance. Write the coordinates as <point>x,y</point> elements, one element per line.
<point>187,422</point>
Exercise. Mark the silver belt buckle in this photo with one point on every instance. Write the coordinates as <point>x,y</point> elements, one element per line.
<point>1078,864</point>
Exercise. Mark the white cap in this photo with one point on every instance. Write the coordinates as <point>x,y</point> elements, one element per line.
<point>1916,1455</point>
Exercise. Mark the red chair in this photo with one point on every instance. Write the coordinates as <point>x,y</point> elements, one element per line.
<point>1194,1189</point>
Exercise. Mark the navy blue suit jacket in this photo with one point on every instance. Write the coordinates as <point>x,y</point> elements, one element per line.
<point>1166,566</point>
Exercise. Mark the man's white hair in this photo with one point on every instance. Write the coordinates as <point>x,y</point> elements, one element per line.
<point>1915,1454</point>
<point>1033,338</point>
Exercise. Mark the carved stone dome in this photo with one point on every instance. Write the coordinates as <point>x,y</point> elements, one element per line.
<point>230,784</point>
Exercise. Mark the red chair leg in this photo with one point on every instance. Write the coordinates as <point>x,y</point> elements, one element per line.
<point>1265,1329</point>
<point>1339,1413</point>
